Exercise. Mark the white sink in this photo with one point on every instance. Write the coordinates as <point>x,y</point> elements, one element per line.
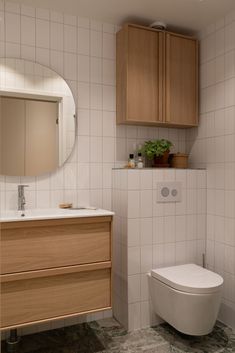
<point>52,213</point>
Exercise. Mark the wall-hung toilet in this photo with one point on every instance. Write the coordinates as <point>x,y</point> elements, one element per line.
<point>187,297</point>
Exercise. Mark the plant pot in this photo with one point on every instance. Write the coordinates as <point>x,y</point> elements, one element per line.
<point>161,161</point>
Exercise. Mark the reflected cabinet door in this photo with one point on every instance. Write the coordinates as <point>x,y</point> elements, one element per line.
<point>12,134</point>
<point>41,144</point>
<point>29,136</point>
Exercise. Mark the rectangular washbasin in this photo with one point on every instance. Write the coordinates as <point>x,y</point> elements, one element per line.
<point>52,213</point>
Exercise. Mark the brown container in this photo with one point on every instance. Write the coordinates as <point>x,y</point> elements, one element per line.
<point>179,160</point>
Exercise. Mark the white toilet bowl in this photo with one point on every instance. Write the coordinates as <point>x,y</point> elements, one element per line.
<point>187,297</point>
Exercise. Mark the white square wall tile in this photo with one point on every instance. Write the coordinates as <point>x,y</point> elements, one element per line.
<point>109,51</point>
<point>96,123</point>
<point>158,230</point>
<point>144,287</point>
<point>146,179</point>
<point>109,72</point>
<point>12,7</point>
<point>70,20</point>
<point>96,176</point>
<point>56,17</point>
<point>56,36</point>
<point>12,27</point>
<point>83,174</point>
<point>146,254</point>
<point>96,70</point>
<point>44,14</point>
<point>180,228</point>
<point>12,50</point>
<point>146,203</point>
<point>27,10</point>
<point>83,95</point>
<point>134,316</point>
<point>158,255</point>
<point>180,252</point>
<point>42,33</point>
<point>70,176</point>
<point>133,261</point>
<point>83,44</point>
<point>133,179</point>
<point>70,38</point>
<point>43,56</point>
<point>95,25</point>
<point>133,204</point>
<point>109,98</point>
<point>108,149</point>
<point>96,43</point>
<point>27,30</point>
<point>107,175</point>
<point>109,123</point>
<point>96,96</point>
<point>146,231</point>
<point>133,288</point>
<point>83,122</point>
<point>70,66</point>
<point>83,68</point>
<point>133,232</point>
<point>169,229</point>
<point>96,149</point>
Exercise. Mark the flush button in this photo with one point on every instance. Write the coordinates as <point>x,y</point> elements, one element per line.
<point>174,192</point>
<point>165,192</point>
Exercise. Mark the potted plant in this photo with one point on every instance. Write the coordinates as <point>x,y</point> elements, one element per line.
<point>157,151</point>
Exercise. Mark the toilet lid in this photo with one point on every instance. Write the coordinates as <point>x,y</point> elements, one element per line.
<point>189,278</point>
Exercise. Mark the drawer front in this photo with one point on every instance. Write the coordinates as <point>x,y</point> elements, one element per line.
<point>29,301</point>
<point>42,245</point>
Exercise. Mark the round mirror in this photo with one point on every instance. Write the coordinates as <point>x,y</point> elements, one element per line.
<point>37,118</point>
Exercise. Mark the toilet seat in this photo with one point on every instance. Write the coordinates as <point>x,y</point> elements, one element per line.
<point>189,278</point>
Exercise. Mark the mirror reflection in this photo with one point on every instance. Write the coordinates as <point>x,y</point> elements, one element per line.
<point>37,119</point>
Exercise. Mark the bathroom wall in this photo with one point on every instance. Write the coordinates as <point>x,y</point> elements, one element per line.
<point>212,145</point>
<point>148,235</point>
<point>83,52</point>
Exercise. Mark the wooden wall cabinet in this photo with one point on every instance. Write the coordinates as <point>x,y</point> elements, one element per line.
<point>53,269</point>
<point>157,78</point>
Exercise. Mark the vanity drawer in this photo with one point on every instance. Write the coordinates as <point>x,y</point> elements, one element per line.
<point>41,299</point>
<point>33,245</point>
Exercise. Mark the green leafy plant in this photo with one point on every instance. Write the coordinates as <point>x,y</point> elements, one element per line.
<point>156,148</point>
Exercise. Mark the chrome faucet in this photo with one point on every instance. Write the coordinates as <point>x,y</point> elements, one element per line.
<point>21,198</point>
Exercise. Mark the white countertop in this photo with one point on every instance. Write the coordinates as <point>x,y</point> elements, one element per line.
<point>52,213</point>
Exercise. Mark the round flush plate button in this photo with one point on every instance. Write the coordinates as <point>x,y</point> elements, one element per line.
<point>174,192</point>
<point>165,192</point>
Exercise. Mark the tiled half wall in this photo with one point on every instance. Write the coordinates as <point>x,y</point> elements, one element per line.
<point>148,235</point>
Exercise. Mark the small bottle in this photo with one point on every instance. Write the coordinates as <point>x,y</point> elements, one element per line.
<point>140,162</point>
<point>131,161</point>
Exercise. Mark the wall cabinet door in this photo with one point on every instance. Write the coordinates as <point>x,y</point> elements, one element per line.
<point>157,78</point>
<point>139,76</point>
<point>181,81</point>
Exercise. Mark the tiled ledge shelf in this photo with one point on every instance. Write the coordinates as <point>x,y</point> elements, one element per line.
<point>155,169</point>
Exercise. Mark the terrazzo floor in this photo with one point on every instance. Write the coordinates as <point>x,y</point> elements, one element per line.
<point>107,336</point>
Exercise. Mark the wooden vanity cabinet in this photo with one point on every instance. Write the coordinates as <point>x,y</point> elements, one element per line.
<point>157,78</point>
<point>53,269</point>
